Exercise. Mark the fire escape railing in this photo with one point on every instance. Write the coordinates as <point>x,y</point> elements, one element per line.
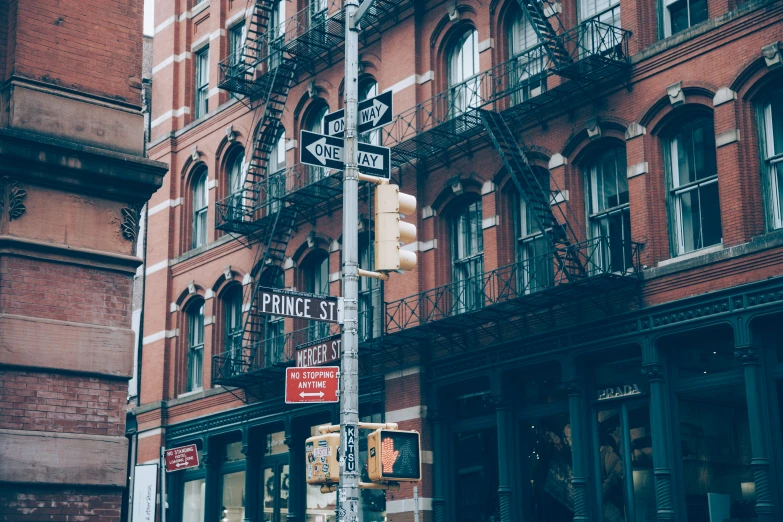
<point>600,256</point>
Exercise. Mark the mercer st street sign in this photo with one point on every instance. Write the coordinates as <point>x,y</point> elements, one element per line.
<point>312,384</point>
<point>183,457</point>
<point>300,305</point>
<point>373,113</point>
<point>317,353</point>
<point>325,151</point>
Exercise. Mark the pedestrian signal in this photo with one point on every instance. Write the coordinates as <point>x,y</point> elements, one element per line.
<point>394,455</point>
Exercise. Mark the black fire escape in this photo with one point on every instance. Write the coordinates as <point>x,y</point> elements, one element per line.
<point>268,208</point>
<point>571,66</point>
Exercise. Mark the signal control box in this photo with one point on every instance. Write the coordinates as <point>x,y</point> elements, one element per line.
<point>322,453</point>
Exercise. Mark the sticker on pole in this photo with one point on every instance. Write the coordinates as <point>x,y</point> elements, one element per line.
<point>305,385</point>
<point>183,457</point>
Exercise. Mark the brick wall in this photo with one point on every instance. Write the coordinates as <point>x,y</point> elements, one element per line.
<point>92,46</point>
<point>41,504</point>
<point>64,292</point>
<point>62,403</point>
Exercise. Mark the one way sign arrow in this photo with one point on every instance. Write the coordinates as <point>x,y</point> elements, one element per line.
<point>326,151</point>
<point>373,113</point>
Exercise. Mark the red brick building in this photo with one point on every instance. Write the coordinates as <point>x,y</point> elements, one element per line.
<point>591,332</point>
<point>73,180</point>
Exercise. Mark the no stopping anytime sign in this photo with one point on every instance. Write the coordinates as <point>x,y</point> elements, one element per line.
<point>312,384</point>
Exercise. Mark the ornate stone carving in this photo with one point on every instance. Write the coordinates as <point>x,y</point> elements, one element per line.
<point>747,354</point>
<point>131,217</point>
<point>15,196</point>
<point>654,371</point>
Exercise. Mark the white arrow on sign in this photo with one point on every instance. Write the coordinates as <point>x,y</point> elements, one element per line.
<point>319,394</point>
<point>180,464</point>
<point>375,112</point>
<point>321,151</point>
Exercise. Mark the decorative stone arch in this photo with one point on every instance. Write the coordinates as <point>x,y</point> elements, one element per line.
<point>310,99</point>
<point>658,115</point>
<point>230,275</point>
<point>444,37</point>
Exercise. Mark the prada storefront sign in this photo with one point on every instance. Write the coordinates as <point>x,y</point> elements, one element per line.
<point>616,392</point>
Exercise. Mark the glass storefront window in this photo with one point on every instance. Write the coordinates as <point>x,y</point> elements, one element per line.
<point>233,508</point>
<point>624,443</point>
<point>547,443</point>
<point>706,355</point>
<point>471,405</point>
<point>542,386</point>
<point>275,444</point>
<point>232,498</point>
<point>320,506</point>
<point>716,454</point>
<point>476,476</point>
<point>193,500</point>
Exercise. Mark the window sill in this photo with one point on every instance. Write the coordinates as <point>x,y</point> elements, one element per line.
<point>203,248</point>
<point>190,393</point>
<point>199,8</point>
<point>691,255</point>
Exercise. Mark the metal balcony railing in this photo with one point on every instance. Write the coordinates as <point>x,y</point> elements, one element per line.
<point>557,269</point>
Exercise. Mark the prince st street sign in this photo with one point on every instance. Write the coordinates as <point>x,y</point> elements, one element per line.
<point>320,150</point>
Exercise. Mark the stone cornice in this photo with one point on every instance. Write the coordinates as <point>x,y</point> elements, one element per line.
<point>79,168</point>
<point>60,253</point>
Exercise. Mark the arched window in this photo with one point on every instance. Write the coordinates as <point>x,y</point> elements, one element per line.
<point>467,254</point>
<point>463,64</point>
<point>609,210</point>
<point>771,143</point>
<point>317,282</point>
<point>236,181</point>
<point>199,199</point>
<point>533,246</point>
<point>528,66</point>
<point>233,325</point>
<point>693,193</point>
<point>195,346</point>
<point>274,326</point>
<point>276,174</point>
<point>315,123</point>
<point>368,88</point>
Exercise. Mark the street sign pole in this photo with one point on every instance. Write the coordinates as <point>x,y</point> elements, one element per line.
<point>348,490</point>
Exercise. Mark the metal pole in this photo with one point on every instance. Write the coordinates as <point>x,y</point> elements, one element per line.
<point>162,484</point>
<point>415,503</point>
<point>348,491</point>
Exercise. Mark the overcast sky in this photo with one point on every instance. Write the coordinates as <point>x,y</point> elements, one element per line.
<point>149,8</point>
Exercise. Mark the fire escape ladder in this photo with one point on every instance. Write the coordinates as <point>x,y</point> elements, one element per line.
<point>269,129</point>
<point>539,199</point>
<point>536,12</point>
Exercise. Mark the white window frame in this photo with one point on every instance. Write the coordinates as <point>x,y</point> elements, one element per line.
<point>772,159</point>
<point>529,237</point>
<point>200,208</point>
<point>467,264</point>
<point>463,64</point>
<point>195,348</point>
<point>201,82</point>
<point>676,192</point>
<point>276,179</point>
<point>529,66</point>
<point>596,215</point>
<point>667,19</point>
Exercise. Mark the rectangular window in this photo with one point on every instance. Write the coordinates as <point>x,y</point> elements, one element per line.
<point>610,216</point>
<point>679,15</point>
<point>236,41</point>
<point>468,259</point>
<point>193,500</point>
<point>694,194</point>
<point>202,82</point>
<point>601,35</point>
<point>772,153</point>
<point>195,348</point>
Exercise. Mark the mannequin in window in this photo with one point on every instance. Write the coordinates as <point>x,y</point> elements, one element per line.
<point>611,469</point>
<point>553,489</point>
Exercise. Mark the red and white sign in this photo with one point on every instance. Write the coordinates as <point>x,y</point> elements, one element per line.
<point>312,384</point>
<point>181,458</point>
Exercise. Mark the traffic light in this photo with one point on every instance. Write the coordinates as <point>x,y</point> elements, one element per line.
<point>390,231</point>
<point>394,455</point>
<point>322,453</point>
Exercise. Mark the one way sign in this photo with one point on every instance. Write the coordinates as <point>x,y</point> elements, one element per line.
<point>373,113</point>
<point>326,151</point>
